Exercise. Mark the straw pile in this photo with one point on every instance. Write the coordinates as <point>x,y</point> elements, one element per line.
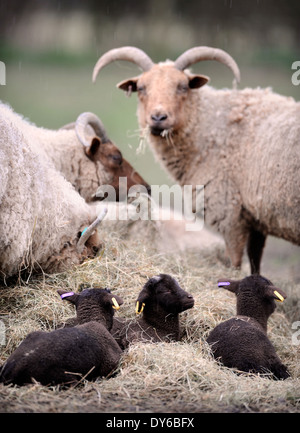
<point>174,377</point>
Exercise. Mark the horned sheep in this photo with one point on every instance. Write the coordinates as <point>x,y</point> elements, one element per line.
<point>241,342</point>
<point>42,217</point>
<point>160,302</point>
<point>65,356</point>
<point>81,151</point>
<point>242,145</point>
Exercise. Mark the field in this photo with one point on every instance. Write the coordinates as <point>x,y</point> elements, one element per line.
<point>176,377</point>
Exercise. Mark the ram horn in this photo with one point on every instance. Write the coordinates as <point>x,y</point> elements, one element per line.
<point>85,119</point>
<point>131,54</point>
<point>89,230</point>
<point>197,54</point>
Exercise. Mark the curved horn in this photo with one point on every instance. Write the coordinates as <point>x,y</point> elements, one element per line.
<point>89,230</point>
<point>91,119</point>
<point>197,54</point>
<point>131,54</point>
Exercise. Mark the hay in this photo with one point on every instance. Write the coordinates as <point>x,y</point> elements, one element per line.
<point>164,377</point>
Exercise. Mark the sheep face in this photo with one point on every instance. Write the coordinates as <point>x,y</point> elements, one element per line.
<point>93,303</point>
<point>106,156</point>
<point>165,292</point>
<point>253,293</point>
<point>163,94</point>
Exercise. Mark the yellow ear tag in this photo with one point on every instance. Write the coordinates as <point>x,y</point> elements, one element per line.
<point>116,306</point>
<point>137,307</point>
<point>279,296</point>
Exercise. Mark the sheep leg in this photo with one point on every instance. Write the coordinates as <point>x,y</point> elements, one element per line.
<point>255,246</point>
<point>235,241</point>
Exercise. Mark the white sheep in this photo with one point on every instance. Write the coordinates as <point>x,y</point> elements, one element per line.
<point>81,151</point>
<point>70,149</point>
<point>41,215</point>
<point>242,145</point>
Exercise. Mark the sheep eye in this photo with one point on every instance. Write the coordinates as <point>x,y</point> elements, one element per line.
<point>141,89</point>
<point>182,88</point>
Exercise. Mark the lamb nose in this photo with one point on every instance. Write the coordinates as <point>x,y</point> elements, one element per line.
<point>159,117</point>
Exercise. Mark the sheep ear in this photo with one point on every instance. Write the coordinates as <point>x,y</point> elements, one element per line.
<point>275,293</point>
<point>143,296</point>
<point>196,81</point>
<point>69,296</point>
<point>231,285</point>
<point>139,308</point>
<point>92,150</point>
<point>116,301</point>
<point>128,85</point>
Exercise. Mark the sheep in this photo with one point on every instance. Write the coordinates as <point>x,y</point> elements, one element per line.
<point>160,302</point>
<point>242,145</point>
<point>42,217</point>
<point>241,342</point>
<point>81,151</point>
<point>65,356</point>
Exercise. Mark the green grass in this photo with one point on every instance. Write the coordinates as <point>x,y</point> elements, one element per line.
<point>51,96</point>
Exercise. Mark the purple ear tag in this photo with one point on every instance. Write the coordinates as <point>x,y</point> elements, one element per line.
<point>66,295</point>
<point>224,283</point>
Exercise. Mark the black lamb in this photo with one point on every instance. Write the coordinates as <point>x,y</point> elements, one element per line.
<point>159,303</point>
<point>241,342</point>
<point>66,355</point>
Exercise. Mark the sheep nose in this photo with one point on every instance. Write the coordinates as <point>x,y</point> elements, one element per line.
<point>159,117</point>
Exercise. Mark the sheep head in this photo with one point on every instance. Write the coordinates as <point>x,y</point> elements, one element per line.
<point>164,291</point>
<point>93,304</point>
<point>164,88</point>
<point>254,293</point>
<point>102,152</point>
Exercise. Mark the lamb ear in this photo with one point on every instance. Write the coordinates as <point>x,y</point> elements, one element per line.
<point>142,299</point>
<point>275,293</point>
<point>231,285</point>
<point>116,301</point>
<point>69,296</point>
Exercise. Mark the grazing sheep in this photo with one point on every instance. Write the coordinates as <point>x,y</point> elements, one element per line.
<point>82,152</point>
<point>241,342</point>
<point>160,302</point>
<point>41,215</point>
<point>66,355</point>
<point>242,145</point>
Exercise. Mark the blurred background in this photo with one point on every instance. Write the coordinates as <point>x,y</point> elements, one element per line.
<point>50,47</point>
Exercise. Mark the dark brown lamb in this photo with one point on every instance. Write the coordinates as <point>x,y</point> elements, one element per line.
<point>241,342</point>
<point>66,355</point>
<point>159,303</point>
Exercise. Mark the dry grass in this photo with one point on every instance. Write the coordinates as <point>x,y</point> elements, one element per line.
<point>175,377</point>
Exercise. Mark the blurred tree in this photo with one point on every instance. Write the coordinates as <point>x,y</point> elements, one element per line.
<point>258,16</point>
